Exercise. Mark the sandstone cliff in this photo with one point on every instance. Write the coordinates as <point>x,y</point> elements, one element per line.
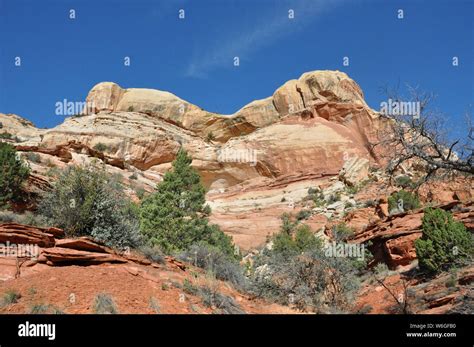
<point>257,163</point>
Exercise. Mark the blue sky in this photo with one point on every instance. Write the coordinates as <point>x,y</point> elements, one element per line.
<point>193,57</point>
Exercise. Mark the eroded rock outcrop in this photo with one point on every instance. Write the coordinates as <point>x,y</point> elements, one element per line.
<point>393,239</point>
<point>19,127</point>
<point>310,126</point>
<point>83,244</point>
<point>68,256</point>
<point>354,171</point>
<point>308,130</point>
<point>25,234</point>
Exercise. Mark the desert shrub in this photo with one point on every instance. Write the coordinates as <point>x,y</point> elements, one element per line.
<point>36,220</point>
<point>130,109</point>
<point>33,157</point>
<point>297,271</point>
<point>410,200</point>
<point>9,297</point>
<point>444,241</point>
<point>86,201</point>
<point>176,217</point>
<point>45,309</point>
<point>100,147</point>
<point>351,190</point>
<point>341,232</point>
<point>293,238</point>
<point>1,125</point>
<point>465,305</point>
<point>140,192</point>
<point>10,217</point>
<point>153,254</point>
<point>305,239</point>
<point>404,182</point>
<point>8,136</point>
<point>13,172</point>
<point>334,198</point>
<point>28,218</point>
<point>370,203</point>
<point>154,305</point>
<point>210,137</point>
<point>223,303</point>
<point>104,304</point>
<point>213,260</point>
<point>39,309</point>
<point>381,269</point>
<point>189,288</point>
<point>303,214</point>
<point>317,196</point>
<point>49,163</point>
<point>453,279</point>
<point>133,176</point>
<point>310,281</point>
<point>53,172</point>
<point>116,224</point>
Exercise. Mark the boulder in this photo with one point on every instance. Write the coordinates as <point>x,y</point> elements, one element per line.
<point>336,187</point>
<point>336,206</point>
<point>67,256</point>
<point>26,234</point>
<point>382,207</point>
<point>354,171</point>
<point>103,97</point>
<point>83,244</point>
<point>176,263</point>
<point>401,250</point>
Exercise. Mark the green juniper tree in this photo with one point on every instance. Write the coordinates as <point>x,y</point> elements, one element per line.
<point>445,242</point>
<point>175,216</point>
<point>12,174</point>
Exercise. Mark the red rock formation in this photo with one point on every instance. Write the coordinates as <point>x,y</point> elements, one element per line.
<point>83,244</point>
<point>25,234</point>
<point>393,238</point>
<point>68,256</point>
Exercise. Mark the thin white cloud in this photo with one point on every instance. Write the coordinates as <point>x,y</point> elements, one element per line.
<point>262,33</point>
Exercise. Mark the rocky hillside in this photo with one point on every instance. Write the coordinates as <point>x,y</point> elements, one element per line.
<point>68,275</point>
<point>306,150</point>
<point>256,163</point>
<point>270,150</point>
